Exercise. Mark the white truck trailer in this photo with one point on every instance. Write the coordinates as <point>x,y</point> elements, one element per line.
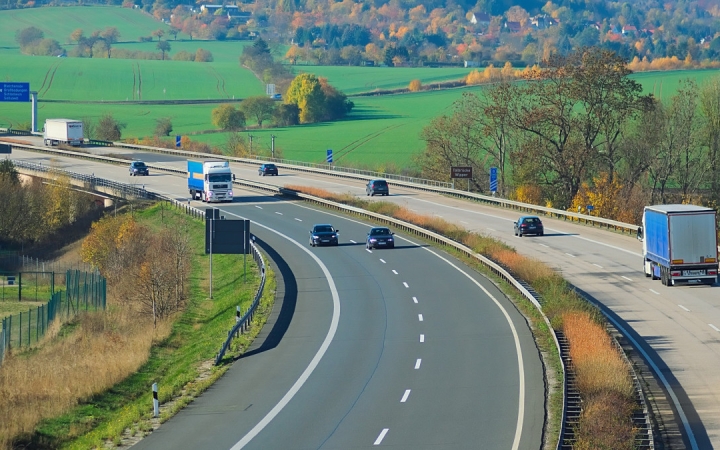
<point>63,131</point>
<point>679,244</point>
<point>210,180</point>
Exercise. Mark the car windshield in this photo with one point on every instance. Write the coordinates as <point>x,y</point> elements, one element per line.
<point>380,232</point>
<point>219,178</point>
<point>323,229</point>
<point>139,164</point>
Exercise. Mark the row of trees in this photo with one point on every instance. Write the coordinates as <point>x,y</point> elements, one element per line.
<point>580,127</point>
<point>34,213</point>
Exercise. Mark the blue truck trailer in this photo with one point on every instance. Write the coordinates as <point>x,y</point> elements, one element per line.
<point>210,180</point>
<point>680,244</point>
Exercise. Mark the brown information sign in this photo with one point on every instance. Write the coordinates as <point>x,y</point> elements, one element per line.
<point>460,172</point>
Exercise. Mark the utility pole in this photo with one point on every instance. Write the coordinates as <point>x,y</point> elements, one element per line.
<point>272,145</point>
<point>250,136</point>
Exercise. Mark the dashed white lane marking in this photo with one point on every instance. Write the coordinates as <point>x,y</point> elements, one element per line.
<point>597,265</point>
<point>353,241</point>
<point>405,284</point>
<point>395,271</point>
<point>415,300</point>
<point>382,261</point>
<point>684,308</point>
<point>405,396</point>
<point>654,292</point>
<point>258,207</point>
<point>422,338</point>
<point>714,327</point>
<point>299,220</point>
<point>491,229</point>
<point>382,436</point>
<point>369,251</point>
<point>623,276</point>
<point>546,246</point>
<point>570,255</point>
<point>462,221</point>
<point>420,317</point>
<point>417,363</point>
<point>278,213</point>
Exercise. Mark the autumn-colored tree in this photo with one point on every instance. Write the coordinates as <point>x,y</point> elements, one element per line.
<point>159,33</point>
<point>415,86</point>
<point>227,117</point>
<point>202,55</point>
<point>258,107</point>
<point>305,92</point>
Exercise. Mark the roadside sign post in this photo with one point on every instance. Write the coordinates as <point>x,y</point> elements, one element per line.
<point>493,180</point>
<point>329,156</point>
<point>461,172</point>
<point>178,141</point>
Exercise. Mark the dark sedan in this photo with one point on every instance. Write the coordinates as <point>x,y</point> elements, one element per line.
<point>323,234</point>
<point>528,225</point>
<point>380,237</point>
<point>138,168</point>
<point>267,169</point>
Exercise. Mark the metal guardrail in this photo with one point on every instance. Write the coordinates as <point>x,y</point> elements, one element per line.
<point>243,322</point>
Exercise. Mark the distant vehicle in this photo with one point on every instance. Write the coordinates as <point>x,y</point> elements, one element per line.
<point>528,225</point>
<point>377,187</point>
<point>139,168</point>
<point>679,244</point>
<point>267,169</point>
<point>63,131</point>
<point>210,180</point>
<point>380,237</point>
<point>323,234</point>
<point>276,96</point>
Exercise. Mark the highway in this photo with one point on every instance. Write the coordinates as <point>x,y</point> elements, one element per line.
<point>406,348</point>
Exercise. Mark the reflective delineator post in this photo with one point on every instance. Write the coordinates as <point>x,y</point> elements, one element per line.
<point>156,405</point>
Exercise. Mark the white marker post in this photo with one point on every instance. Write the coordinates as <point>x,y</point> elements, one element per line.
<point>156,405</point>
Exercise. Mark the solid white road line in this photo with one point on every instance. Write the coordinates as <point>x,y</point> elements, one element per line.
<point>623,276</point>
<point>415,300</point>
<point>684,308</point>
<point>405,284</point>
<point>417,363</point>
<point>405,396</point>
<point>422,338</point>
<point>714,327</point>
<point>420,317</point>
<point>394,271</point>
<point>382,436</point>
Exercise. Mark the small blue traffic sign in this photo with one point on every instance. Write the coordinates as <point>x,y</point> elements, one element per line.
<point>329,158</point>
<point>493,179</point>
<point>178,141</point>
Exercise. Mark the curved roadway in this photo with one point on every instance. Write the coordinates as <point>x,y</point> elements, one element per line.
<point>405,348</point>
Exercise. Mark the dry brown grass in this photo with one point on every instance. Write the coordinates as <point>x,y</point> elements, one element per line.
<point>598,364</point>
<point>605,424</point>
<point>102,349</point>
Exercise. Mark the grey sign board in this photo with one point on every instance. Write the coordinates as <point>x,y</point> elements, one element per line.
<point>228,237</point>
<point>5,148</point>
<point>460,172</point>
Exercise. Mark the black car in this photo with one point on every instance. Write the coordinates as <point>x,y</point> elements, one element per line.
<point>323,234</point>
<point>267,169</point>
<point>528,225</point>
<point>380,237</point>
<point>138,168</point>
<point>379,187</point>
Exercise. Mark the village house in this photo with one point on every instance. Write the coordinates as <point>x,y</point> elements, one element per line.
<point>629,30</point>
<point>212,8</point>
<point>513,27</point>
<point>480,18</point>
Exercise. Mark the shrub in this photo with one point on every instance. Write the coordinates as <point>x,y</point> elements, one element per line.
<point>415,86</point>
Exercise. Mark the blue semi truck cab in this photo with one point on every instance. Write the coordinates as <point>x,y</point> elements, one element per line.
<point>680,244</point>
<point>210,180</point>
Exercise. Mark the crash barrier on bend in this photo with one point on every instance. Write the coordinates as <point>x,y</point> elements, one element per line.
<point>83,292</point>
<point>243,323</point>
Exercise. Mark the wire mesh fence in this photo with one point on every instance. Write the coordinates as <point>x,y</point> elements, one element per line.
<point>83,292</point>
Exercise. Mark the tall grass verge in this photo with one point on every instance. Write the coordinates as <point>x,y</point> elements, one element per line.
<point>602,374</point>
<point>92,383</point>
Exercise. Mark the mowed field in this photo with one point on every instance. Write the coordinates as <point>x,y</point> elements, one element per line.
<point>381,130</point>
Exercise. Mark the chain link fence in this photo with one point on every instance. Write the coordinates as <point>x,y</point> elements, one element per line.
<point>83,292</point>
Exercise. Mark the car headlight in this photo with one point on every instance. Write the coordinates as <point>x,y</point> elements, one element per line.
<point>210,193</point>
<point>390,239</point>
<point>373,240</point>
<point>230,193</point>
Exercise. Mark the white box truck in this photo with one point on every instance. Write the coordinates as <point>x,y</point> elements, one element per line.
<point>63,131</point>
<point>210,180</point>
<point>679,244</point>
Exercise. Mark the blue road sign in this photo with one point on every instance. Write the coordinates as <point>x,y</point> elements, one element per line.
<point>493,179</point>
<point>589,208</point>
<point>14,92</point>
<point>329,156</point>
<point>178,141</point>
